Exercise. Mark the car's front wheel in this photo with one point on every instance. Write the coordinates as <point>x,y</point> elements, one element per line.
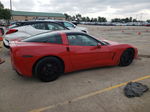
<point>127,57</point>
<point>48,69</point>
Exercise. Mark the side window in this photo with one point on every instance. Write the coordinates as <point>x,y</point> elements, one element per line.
<point>55,38</point>
<point>66,24</point>
<point>40,26</point>
<point>81,40</point>
<point>53,26</point>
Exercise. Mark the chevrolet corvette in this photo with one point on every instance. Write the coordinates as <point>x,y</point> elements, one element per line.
<point>50,54</point>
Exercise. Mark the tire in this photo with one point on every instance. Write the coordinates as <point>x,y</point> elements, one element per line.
<point>2,31</point>
<point>48,69</point>
<point>127,57</point>
<point>6,46</point>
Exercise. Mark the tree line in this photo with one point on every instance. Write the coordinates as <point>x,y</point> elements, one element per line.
<point>80,18</point>
<point>4,12</point>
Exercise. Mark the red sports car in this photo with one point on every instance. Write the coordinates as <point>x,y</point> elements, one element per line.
<point>50,54</point>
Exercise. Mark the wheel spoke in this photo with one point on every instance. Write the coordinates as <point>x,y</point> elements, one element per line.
<point>49,69</point>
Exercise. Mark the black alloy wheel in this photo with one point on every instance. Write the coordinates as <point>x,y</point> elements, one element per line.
<point>48,69</point>
<point>127,57</point>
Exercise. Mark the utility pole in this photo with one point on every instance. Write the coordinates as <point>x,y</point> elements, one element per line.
<point>11,9</point>
<point>10,5</point>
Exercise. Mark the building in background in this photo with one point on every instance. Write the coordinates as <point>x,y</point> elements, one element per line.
<point>25,16</point>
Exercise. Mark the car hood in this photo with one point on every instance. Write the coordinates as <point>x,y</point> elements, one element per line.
<point>81,28</point>
<point>110,42</point>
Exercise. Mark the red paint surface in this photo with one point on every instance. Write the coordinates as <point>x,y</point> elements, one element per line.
<point>78,57</point>
<point>1,38</point>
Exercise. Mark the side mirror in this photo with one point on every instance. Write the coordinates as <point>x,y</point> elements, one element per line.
<point>98,45</point>
<point>75,26</point>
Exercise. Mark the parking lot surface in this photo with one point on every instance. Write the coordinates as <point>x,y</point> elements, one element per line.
<point>93,90</point>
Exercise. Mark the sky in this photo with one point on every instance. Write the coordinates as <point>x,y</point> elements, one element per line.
<point>139,9</point>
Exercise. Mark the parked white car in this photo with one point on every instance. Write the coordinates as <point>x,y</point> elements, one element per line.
<point>24,30</point>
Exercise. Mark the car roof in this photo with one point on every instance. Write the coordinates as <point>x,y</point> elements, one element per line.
<point>67,32</point>
<point>57,21</point>
<point>24,23</point>
<point>39,21</point>
<point>62,31</point>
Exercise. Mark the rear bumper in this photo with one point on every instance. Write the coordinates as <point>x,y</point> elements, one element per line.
<point>20,68</point>
<point>13,63</point>
<point>19,64</point>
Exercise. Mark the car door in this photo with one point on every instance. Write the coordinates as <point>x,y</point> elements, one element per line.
<point>86,53</point>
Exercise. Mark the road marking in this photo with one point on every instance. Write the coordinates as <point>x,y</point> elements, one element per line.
<point>88,95</point>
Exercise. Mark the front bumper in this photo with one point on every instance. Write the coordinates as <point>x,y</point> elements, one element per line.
<point>136,56</point>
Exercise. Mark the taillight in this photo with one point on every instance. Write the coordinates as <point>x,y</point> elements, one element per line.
<point>1,38</point>
<point>11,31</point>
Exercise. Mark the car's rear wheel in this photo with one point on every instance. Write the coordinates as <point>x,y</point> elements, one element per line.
<point>48,69</point>
<point>127,57</point>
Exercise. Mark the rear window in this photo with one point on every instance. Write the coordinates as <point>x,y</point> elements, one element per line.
<point>54,38</point>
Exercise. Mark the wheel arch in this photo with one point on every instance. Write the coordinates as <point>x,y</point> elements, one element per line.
<point>60,59</point>
<point>118,54</point>
<point>128,48</point>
